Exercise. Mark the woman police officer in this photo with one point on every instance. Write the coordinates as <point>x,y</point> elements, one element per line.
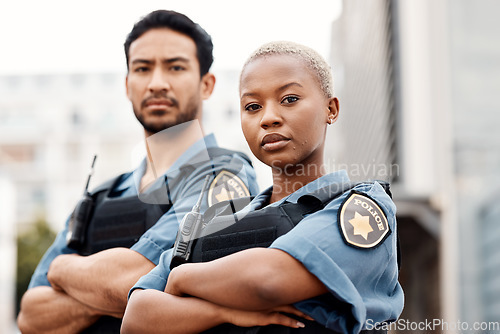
<point>338,265</point>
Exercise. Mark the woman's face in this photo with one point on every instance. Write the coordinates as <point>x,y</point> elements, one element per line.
<point>284,112</point>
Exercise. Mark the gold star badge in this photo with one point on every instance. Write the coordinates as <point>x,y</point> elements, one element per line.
<point>362,222</point>
<point>226,186</point>
<point>361,225</point>
<point>224,195</point>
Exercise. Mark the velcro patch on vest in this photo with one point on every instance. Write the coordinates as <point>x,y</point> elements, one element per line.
<point>226,186</point>
<point>363,223</point>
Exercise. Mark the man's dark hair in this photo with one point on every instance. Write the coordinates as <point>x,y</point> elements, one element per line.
<point>180,23</point>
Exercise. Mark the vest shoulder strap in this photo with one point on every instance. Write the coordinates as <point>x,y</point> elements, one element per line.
<point>227,207</point>
<point>107,185</point>
<point>327,194</point>
<point>213,152</point>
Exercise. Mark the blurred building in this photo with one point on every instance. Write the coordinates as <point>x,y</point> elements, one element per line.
<point>50,128</point>
<point>7,254</point>
<point>416,81</point>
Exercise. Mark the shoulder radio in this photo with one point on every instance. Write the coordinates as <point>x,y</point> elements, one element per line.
<point>188,231</point>
<point>80,217</point>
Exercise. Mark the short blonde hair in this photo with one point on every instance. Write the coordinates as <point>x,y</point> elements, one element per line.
<point>310,57</point>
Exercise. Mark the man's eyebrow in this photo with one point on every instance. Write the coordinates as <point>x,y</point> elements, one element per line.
<point>168,60</point>
<point>141,61</point>
<point>176,59</point>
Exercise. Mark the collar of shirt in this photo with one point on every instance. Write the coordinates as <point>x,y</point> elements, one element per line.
<point>195,154</point>
<point>337,177</point>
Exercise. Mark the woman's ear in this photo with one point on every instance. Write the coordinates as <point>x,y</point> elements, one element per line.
<point>333,110</point>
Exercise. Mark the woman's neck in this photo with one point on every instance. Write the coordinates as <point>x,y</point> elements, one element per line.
<point>287,181</point>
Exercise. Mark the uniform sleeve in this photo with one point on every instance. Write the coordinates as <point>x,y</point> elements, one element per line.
<point>161,237</point>
<point>157,278</point>
<point>58,247</point>
<point>362,282</point>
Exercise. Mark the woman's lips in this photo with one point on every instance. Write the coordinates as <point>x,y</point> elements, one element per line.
<point>274,141</point>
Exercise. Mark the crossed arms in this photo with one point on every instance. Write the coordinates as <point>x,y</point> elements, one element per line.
<point>248,288</point>
<point>238,289</point>
<point>83,288</point>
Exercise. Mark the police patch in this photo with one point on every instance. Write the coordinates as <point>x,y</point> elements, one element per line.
<point>226,186</point>
<point>362,221</point>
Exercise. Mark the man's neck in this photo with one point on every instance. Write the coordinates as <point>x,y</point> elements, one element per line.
<point>164,149</point>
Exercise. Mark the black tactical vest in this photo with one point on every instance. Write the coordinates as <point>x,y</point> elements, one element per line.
<point>121,221</point>
<point>226,232</point>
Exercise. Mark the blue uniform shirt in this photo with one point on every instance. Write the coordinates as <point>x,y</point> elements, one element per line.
<point>161,236</point>
<point>362,283</point>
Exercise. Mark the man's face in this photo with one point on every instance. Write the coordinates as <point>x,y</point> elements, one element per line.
<point>164,82</point>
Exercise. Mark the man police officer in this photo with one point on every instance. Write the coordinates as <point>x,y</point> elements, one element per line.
<point>136,215</point>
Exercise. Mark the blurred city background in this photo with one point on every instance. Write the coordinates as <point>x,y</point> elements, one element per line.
<point>418,83</point>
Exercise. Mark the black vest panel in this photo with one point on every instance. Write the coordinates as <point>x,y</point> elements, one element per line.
<point>226,232</point>
<point>105,325</point>
<point>120,221</point>
<point>224,236</point>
